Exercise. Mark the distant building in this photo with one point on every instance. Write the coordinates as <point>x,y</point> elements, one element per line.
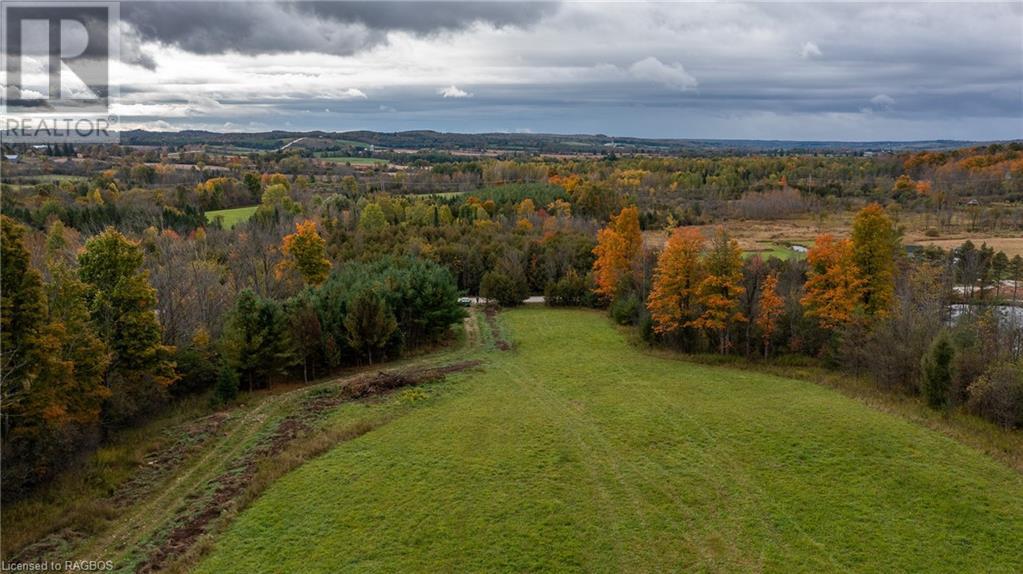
<point>13,158</point>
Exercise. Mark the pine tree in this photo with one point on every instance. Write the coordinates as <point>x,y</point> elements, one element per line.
<point>256,340</point>
<point>369,323</point>
<point>937,372</point>
<point>226,388</point>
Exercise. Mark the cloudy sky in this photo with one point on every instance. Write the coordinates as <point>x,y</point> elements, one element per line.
<point>765,70</point>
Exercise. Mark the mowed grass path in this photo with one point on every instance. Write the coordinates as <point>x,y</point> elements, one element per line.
<point>576,452</point>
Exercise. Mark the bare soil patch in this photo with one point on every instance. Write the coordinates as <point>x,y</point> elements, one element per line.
<point>495,330</point>
<point>231,487</point>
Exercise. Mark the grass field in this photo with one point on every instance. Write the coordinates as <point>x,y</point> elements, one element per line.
<point>356,160</point>
<point>232,217</point>
<point>575,451</point>
<point>769,250</point>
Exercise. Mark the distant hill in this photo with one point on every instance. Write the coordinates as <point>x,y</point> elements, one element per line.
<point>545,143</point>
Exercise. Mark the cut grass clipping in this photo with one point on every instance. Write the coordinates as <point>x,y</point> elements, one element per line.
<point>576,452</point>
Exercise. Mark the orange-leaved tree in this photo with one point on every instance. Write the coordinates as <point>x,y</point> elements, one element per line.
<point>875,248</point>
<point>306,250</point>
<point>769,308</point>
<point>618,250</point>
<point>721,288</point>
<point>672,300</point>
<point>834,288</point>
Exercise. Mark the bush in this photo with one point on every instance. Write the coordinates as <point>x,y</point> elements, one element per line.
<point>197,370</point>
<point>936,367</point>
<point>226,389</point>
<point>508,291</point>
<point>998,394</point>
<point>625,310</point>
<point>571,290</point>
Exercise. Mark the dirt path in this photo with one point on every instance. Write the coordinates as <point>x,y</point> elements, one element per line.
<point>209,468</point>
<point>197,482</point>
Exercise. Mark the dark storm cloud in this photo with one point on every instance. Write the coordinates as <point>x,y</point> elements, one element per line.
<point>340,28</point>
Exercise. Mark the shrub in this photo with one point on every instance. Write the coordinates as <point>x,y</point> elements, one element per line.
<point>998,394</point>
<point>936,368</point>
<point>570,290</point>
<point>197,369</point>
<point>625,310</point>
<point>226,388</point>
<point>507,290</point>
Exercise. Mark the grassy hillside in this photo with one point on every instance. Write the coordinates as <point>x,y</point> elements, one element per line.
<point>232,217</point>
<point>573,451</point>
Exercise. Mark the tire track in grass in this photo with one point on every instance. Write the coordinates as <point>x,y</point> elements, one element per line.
<point>727,465</point>
<point>719,458</point>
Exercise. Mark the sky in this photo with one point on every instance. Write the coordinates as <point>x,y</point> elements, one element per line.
<point>765,70</point>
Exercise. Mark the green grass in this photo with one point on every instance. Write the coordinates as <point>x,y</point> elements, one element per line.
<point>577,452</point>
<point>356,160</point>
<point>783,252</point>
<point>232,217</point>
<point>47,178</point>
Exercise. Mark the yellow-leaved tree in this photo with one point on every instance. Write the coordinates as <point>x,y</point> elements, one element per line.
<point>618,250</point>
<point>834,287</point>
<point>875,245</point>
<point>769,309</point>
<point>672,300</point>
<point>306,252</point>
<point>721,288</point>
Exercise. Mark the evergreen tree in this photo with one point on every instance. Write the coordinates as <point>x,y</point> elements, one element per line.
<point>256,340</point>
<point>226,388</point>
<point>369,322</point>
<point>937,372</point>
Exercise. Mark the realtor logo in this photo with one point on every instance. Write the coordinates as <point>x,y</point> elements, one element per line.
<point>57,69</point>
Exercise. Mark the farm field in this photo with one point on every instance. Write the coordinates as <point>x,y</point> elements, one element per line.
<point>355,160</point>
<point>575,451</point>
<point>233,216</point>
<point>772,237</point>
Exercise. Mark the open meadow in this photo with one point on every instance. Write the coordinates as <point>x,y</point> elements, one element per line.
<point>575,451</point>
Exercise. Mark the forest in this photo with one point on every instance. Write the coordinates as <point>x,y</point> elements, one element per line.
<point>125,292</point>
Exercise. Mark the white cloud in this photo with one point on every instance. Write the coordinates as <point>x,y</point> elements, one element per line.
<point>454,92</point>
<point>653,70</point>
<point>353,93</point>
<point>810,50</point>
<point>882,102</point>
